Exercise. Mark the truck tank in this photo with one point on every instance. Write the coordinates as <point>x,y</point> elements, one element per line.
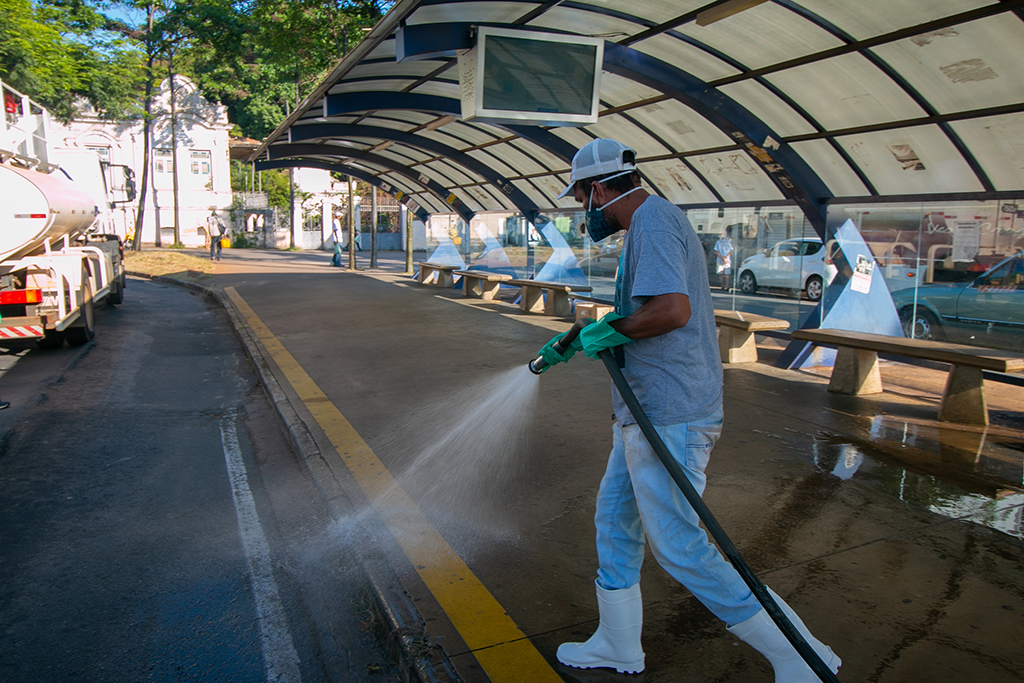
<point>40,208</point>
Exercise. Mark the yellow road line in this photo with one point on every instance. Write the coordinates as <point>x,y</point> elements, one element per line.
<point>502,649</point>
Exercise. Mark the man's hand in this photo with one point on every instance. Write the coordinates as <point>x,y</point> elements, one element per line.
<point>551,355</point>
<point>600,335</point>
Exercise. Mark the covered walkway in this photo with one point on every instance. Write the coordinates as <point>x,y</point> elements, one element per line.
<point>896,537</point>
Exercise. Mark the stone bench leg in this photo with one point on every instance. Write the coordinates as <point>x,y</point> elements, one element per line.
<point>489,290</point>
<point>426,275</point>
<point>855,373</point>
<point>445,279</point>
<point>531,300</point>
<point>736,345</point>
<point>557,304</point>
<point>472,287</point>
<point>963,400</point>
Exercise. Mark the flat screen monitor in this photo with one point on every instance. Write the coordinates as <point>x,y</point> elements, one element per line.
<point>516,76</point>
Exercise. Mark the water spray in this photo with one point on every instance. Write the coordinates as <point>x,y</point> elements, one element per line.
<point>725,544</point>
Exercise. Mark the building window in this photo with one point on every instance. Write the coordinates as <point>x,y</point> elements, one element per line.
<point>102,152</point>
<point>200,162</point>
<point>162,161</point>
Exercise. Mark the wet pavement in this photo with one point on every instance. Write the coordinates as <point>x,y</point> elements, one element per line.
<point>897,538</point>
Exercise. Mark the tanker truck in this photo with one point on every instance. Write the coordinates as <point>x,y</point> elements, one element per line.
<point>56,262</point>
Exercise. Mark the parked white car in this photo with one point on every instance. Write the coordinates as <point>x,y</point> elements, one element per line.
<point>794,264</point>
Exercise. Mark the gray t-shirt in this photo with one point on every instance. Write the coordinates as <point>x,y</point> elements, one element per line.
<point>677,377</point>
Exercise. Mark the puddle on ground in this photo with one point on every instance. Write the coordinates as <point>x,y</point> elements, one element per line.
<point>955,472</point>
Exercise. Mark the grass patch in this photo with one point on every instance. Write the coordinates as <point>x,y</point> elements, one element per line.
<point>170,263</point>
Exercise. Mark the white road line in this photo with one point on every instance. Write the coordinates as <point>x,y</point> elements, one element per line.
<point>279,657</point>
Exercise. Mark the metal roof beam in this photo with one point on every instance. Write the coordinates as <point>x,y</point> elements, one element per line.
<point>335,167</point>
<point>435,188</point>
<point>366,101</point>
<point>343,130</point>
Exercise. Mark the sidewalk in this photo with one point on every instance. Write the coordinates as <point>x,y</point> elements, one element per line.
<point>896,538</point>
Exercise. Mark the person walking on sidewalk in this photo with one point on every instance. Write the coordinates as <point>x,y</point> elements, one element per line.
<point>336,237</point>
<point>663,334</point>
<point>723,259</point>
<point>216,230</point>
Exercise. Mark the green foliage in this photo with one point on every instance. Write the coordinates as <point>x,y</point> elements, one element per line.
<point>60,52</point>
<point>240,241</point>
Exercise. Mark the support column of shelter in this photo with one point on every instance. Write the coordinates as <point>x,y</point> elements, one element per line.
<point>373,227</point>
<point>351,224</point>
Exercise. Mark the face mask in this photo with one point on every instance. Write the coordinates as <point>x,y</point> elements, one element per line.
<point>597,227</point>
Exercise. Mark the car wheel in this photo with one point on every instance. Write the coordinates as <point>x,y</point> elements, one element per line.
<point>923,326</point>
<point>813,288</point>
<point>748,283</point>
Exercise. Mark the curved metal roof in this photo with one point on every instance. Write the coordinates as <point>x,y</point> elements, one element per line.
<point>784,102</point>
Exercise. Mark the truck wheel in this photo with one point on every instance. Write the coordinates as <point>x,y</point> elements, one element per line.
<point>52,339</point>
<point>84,328</point>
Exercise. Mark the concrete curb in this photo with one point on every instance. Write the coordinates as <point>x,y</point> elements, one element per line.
<point>405,629</point>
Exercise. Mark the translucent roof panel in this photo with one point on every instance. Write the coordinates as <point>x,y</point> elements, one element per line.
<point>687,57</point>
<point>970,66</point>
<point>831,168</point>
<point>685,128</point>
<point>867,18</point>
<point>617,91</point>
<point>678,183</point>
<point>770,108</point>
<point>763,35</point>
<point>998,143</point>
<point>736,177</point>
<point>483,12</point>
<point>628,133</point>
<point>845,92</point>
<point>917,160</point>
<point>589,23</point>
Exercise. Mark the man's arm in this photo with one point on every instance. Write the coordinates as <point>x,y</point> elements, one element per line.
<point>657,316</point>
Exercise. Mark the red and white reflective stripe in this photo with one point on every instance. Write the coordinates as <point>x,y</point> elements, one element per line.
<point>24,331</point>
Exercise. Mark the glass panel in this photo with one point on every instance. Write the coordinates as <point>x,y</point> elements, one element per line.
<point>919,160</point>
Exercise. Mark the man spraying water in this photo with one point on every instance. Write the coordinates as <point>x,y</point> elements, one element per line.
<point>663,335</point>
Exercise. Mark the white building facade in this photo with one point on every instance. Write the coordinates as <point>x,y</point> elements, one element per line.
<point>203,169</point>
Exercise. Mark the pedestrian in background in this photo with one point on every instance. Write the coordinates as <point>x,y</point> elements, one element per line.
<point>216,230</point>
<point>723,254</point>
<point>336,237</point>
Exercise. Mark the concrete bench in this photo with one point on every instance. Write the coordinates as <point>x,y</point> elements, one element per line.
<point>588,307</point>
<point>480,284</point>
<point>856,369</point>
<point>437,274</point>
<point>533,299</point>
<point>736,334</point>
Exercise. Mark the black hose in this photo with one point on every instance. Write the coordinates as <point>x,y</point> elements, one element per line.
<point>711,524</point>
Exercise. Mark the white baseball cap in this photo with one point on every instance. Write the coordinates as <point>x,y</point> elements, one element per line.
<point>598,158</point>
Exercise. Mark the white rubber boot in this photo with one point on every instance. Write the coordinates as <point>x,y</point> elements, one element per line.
<point>761,633</point>
<point>616,644</point>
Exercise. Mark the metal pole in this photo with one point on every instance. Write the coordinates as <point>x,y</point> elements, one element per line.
<point>409,216</point>
<point>291,207</point>
<point>373,227</point>
<point>351,224</point>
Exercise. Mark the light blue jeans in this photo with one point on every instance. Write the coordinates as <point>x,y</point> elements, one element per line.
<point>637,495</point>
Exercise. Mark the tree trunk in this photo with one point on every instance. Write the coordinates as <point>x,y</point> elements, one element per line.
<point>146,134</point>
<point>174,150</point>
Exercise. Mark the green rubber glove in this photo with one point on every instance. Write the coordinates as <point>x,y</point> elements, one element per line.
<point>551,355</point>
<point>600,335</point>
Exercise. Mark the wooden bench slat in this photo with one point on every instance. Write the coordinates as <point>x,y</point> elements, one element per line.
<point>484,275</point>
<point>943,352</point>
<point>555,286</point>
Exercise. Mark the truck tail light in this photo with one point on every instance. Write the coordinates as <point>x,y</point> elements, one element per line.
<point>21,296</point>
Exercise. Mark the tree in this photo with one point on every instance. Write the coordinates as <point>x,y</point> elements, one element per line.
<point>64,53</point>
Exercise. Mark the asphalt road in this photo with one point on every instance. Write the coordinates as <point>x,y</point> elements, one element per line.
<point>154,524</point>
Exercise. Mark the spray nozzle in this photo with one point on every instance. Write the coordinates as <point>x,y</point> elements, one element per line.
<point>538,364</point>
